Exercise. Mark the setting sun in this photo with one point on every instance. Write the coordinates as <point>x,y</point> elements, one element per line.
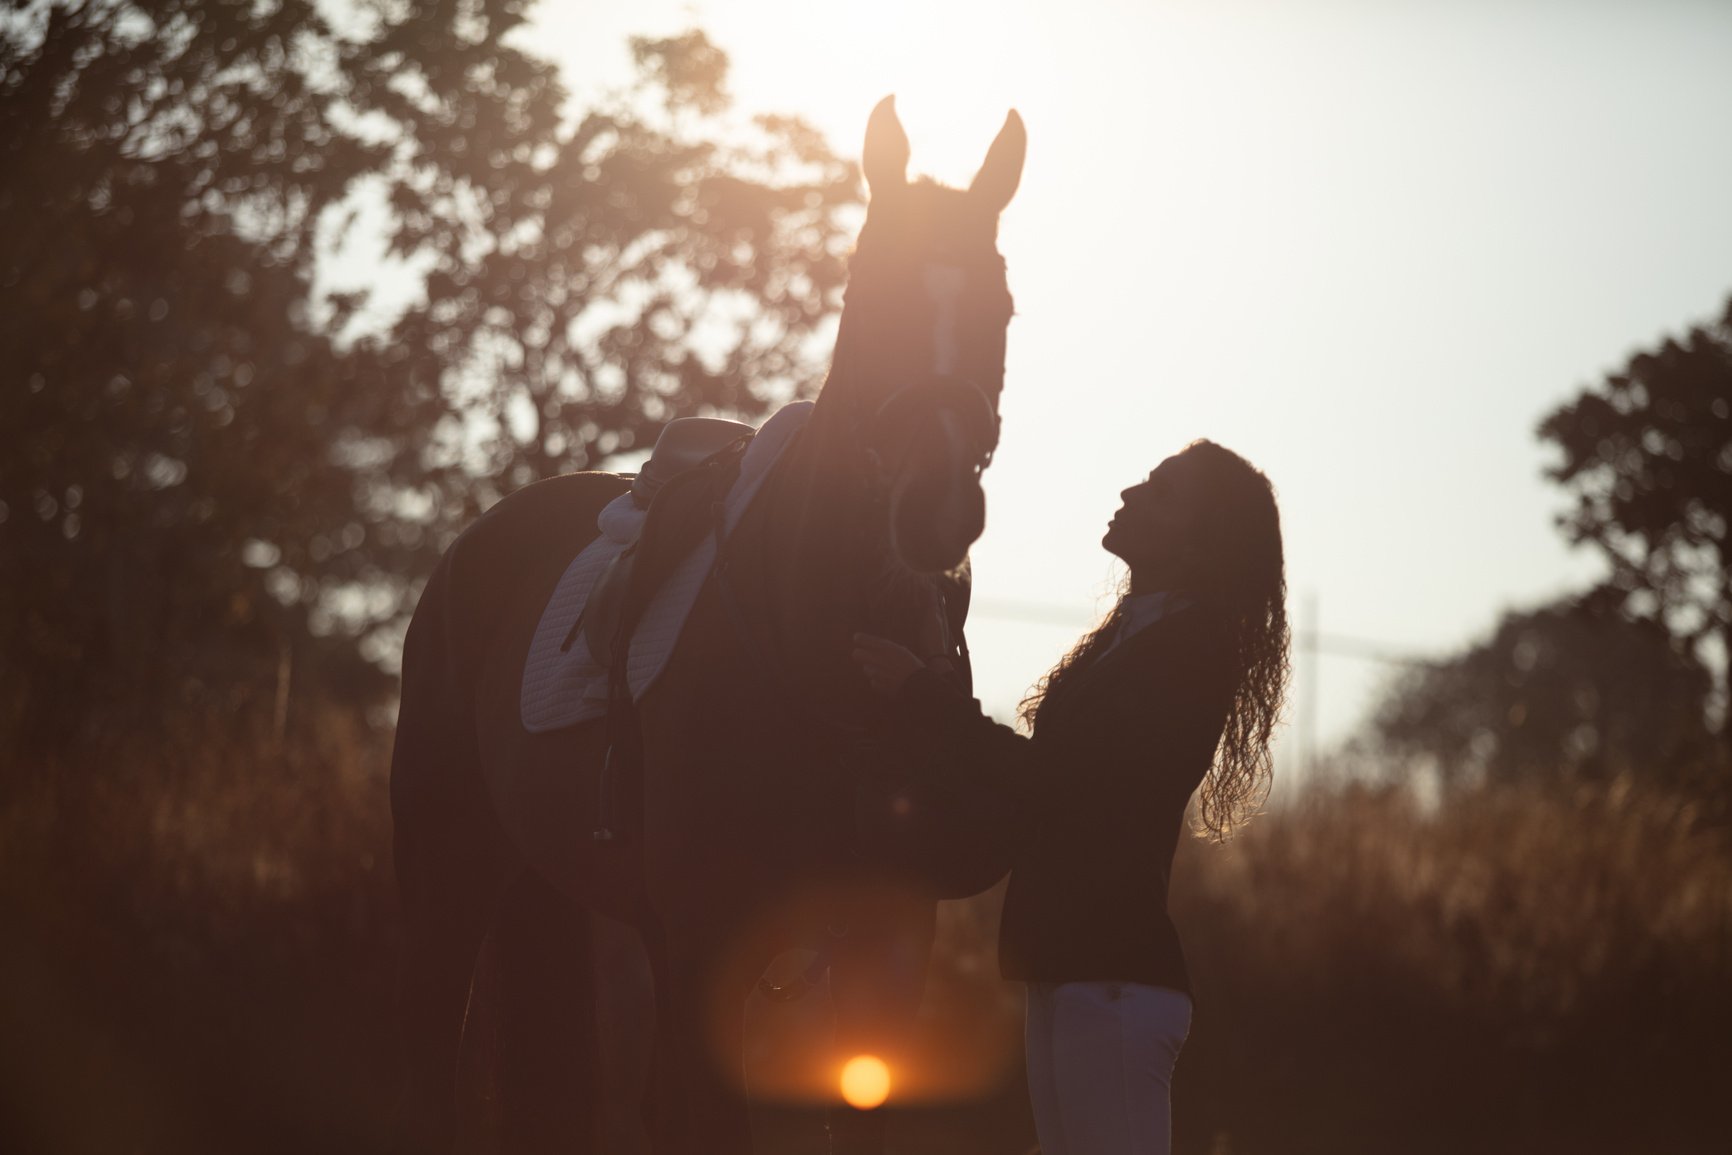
<point>865,1082</point>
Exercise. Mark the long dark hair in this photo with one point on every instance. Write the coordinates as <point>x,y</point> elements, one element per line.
<point>1239,571</point>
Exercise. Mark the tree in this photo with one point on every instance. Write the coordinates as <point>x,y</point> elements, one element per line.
<point>1647,456</point>
<point>652,272</point>
<point>211,471</point>
<point>1573,691</point>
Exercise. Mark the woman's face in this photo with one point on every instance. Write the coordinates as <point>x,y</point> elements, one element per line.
<point>1154,530</point>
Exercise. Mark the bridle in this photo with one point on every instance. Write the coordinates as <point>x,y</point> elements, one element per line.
<point>981,430</point>
<point>957,396</point>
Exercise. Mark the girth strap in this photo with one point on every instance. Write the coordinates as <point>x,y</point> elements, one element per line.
<point>674,525</point>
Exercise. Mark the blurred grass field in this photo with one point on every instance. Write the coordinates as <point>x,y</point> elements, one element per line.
<point>200,940</point>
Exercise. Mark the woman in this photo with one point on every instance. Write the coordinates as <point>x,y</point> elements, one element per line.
<point>1176,692</point>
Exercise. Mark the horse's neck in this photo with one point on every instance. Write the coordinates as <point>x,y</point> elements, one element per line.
<point>806,562</point>
<point>819,508</point>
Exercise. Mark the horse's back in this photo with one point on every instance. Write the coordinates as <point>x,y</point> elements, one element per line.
<point>517,550</point>
<point>508,557</point>
<point>544,786</point>
<point>461,741</point>
<point>472,811</point>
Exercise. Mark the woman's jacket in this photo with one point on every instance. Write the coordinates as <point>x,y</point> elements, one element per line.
<point>1090,807</point>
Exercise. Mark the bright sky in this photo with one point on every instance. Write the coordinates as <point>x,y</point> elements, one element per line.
<point>1366,244</point>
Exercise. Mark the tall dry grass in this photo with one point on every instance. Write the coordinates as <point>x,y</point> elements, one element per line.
<point>200,939</point>
<point>1514,970</point>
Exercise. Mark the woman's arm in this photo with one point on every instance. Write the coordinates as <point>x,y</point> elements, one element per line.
<point>946,735</point>
<point>948,801</point>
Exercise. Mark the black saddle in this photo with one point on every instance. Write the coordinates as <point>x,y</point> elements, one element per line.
<point>689,480</point>
<point>682,512</point>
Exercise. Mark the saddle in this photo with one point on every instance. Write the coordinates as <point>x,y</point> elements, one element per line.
<point>693,465</point>
<point>684,507</point>
<point>647,597</point>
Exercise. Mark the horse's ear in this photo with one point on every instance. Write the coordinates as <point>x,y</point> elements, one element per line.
<point>998,177</point>
<point>886,157</point>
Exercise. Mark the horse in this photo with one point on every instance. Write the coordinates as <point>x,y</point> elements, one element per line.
<point>747,812</point>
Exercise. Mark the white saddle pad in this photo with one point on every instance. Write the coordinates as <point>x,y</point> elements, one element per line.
<point>562,687</point>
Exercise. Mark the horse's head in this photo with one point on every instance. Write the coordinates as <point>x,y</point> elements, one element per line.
<point>922,340</point>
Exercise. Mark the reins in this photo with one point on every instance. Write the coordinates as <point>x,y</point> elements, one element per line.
<point>623,737</point>
<point>795,988</point>
<point>756,646</point>
<point>875,499</point>
<point>624,741</point>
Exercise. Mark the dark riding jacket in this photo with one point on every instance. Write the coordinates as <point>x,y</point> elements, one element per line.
<point>1093,802</point>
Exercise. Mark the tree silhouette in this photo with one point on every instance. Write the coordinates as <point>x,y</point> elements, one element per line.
<point>1570,692</point>
<point>650,271</point>
<point>211,470</point>
<point>1647,456</point>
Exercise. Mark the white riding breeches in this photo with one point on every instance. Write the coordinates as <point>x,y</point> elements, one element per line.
<point>1100,1066</point>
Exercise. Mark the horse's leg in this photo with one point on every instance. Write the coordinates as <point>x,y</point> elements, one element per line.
<point>656,1106</point>
<point>877,978</point>
<point>548,1060</point>
<point>700,1104</point>
<point>449,898</point>
<point>625,1030</point>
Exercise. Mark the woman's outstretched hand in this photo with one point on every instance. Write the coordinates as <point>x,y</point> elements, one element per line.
<point>888,665</point>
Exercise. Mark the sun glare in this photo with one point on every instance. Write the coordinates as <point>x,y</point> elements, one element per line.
<point>865,1082</point>
<point>953,68</point>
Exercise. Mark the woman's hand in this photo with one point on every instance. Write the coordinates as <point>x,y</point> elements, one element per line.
<point>888,665</point>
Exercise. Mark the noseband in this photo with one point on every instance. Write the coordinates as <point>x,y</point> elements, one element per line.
<point>901,414</point>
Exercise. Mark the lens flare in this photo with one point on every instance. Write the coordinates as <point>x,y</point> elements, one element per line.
<point>865,1082</point>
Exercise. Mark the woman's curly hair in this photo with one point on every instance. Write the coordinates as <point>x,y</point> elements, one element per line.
<point>1240,571</point>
